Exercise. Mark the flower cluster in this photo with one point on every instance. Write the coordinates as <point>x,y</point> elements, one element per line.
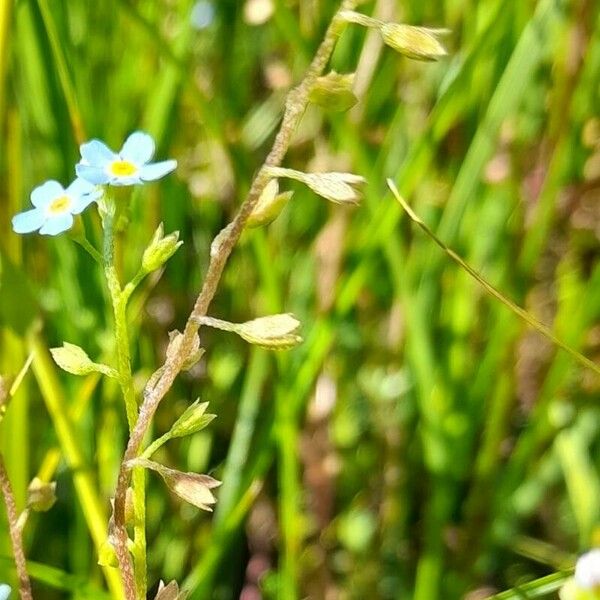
<point>54,206</point>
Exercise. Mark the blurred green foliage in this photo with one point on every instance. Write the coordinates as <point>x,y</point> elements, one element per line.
<point>421,443</point>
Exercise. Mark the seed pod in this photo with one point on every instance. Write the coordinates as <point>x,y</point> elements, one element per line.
<point>192,487</point>
<point>334,92</point>
<point>418,43</point>
<point>274,331</point>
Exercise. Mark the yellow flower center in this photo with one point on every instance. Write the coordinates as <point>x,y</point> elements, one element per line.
<point>59,205</point>
<point>122,168</point>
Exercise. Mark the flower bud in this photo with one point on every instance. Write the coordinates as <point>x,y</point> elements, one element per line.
<point>192,420</point>
<point>160,249</point>
<point>334,91</point>
<point>269,205</point>
<point>174,348</point>
<point>419,43</point>
<point>41,496</point>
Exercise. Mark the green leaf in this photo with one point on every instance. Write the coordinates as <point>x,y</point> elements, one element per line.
<point>73,359</point>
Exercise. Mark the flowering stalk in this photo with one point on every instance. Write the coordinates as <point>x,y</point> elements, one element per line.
<point>119,299</point>
<point>159,385</point>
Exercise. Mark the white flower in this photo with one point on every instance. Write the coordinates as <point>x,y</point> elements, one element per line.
<point>587,570</point>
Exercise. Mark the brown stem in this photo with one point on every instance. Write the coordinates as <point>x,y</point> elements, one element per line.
<point>16,537</point>
<point>296,103</point>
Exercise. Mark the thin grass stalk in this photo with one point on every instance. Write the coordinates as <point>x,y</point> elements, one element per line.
<point>490,289</point>
<point>63,72</point>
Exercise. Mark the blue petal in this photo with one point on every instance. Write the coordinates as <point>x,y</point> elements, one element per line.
<point>58,224</point>
<point>28,221</point>
<point>4,591</point>
<point>203,14</point>
<point>94,175</point>
<point>155,171</point>
<point>96,153</point>
<point>80,187</point>
<point>138,148</point>
<point>42,195</point>
<point>125,180</point>
<point>82,202</point>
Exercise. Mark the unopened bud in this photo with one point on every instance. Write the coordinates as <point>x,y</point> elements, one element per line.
<point>419,43</point>
<point>192,420</point>
<point>269,205</point>
<point>160,249</point>
<point>334,91</point>
<point>174,348</point>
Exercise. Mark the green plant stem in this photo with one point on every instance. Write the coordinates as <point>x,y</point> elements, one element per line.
<point>156,444</point>
<point>296,103</point>
<point>85,244</point>
<point>119,299</point>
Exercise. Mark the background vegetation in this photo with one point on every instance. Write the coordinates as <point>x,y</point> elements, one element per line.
<point>423,442</point>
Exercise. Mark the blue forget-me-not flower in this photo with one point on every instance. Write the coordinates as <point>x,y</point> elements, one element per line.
<point>131,165</point>
<point>4,591</point>
<point>55,207</point>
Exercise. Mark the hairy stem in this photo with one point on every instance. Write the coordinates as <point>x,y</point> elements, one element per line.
<point>119,300</point>
<point>16,536</point>
<point>296,103</point>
